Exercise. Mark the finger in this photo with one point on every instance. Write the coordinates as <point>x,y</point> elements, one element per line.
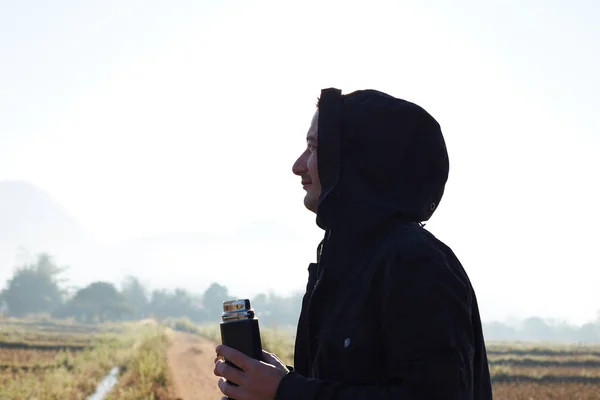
<point>271,359</point>
<point>266,356</point>
<point>228,372</point>
<point>229,390</point>
<point>277,358</point>
<point>236,357</point>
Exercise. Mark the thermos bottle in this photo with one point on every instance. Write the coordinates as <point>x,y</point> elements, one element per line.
<point>239,329</point>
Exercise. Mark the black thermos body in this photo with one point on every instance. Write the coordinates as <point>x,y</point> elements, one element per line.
<point>239,329</point>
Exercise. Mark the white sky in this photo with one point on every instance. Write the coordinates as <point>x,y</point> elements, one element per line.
<point>144,117</point>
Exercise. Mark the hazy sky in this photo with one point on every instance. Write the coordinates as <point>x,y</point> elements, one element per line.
<point>144,117</point>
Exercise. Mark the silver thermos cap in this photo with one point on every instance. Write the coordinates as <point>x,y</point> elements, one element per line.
<point>235,310</point>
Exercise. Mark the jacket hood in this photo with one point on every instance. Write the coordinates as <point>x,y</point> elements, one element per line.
<point>380,159</point>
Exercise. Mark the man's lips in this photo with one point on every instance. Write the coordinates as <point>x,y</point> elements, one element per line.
<point>304,183</point>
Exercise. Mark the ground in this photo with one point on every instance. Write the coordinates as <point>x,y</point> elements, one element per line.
<point>191,359</point>
<point>521,371</point>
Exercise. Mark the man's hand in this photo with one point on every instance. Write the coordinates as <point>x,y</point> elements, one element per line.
<point>258,380</point>
<point>272,359</point>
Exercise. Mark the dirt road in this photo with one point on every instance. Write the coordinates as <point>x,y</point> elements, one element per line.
<point>191,359</point>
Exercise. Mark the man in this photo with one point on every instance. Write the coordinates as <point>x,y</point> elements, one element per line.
<point>389,312</point>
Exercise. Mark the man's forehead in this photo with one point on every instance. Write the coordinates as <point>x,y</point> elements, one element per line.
<point>313,131</point>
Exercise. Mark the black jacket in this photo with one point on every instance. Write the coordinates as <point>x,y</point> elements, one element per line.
<point>389,312</point>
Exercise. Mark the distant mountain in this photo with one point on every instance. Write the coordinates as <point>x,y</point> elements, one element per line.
<point>28,215</point>
<point>31,221</point>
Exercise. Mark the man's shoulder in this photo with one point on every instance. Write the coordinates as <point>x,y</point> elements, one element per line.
<point>413,241</point>
<point>414,251</point>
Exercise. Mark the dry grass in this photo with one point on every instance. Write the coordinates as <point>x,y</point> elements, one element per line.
<point>18,357</point>
<point>541,349</point>
<point>139,349</point>
<point>546,391</point>
<point>147,372</point>
<point>541,372</point>
<point>557,358</point>
<point>75,376</point>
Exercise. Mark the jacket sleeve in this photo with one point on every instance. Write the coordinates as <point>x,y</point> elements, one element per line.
<point>427,334</point>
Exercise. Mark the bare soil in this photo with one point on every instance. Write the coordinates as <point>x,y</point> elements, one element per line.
<point>191,360</point>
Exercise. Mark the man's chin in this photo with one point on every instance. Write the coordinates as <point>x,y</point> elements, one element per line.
<point>311,203</point>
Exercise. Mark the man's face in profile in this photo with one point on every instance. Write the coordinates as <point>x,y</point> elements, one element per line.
<point>306,167</point>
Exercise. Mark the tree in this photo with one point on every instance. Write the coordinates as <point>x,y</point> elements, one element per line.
<point>535,329</point>
<point>260,303</point>
<point>588,333</point>
<point>34,288</point>
<point>499,331</point>
<point>178,303</point>
<point>274,310</point>
<point>97,302</point>
<point>136,296</point>
<point>213,299</point>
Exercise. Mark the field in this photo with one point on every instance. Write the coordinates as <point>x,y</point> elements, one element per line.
<point>62,360</point>
<point>520,371</point>
<point>544,371</point>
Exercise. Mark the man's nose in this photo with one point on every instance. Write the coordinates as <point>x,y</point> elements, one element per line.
<point>299,166</point>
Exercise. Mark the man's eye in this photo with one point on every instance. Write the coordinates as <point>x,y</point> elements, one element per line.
<point>312,147</point>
